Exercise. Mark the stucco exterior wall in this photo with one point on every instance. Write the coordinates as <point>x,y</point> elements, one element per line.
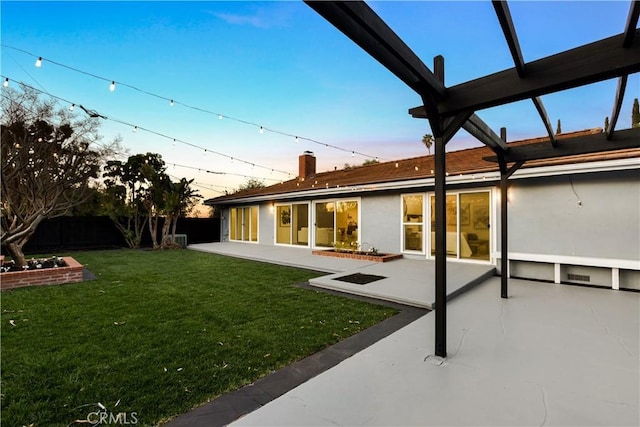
<point>594,216</point>
<point>381,216</point>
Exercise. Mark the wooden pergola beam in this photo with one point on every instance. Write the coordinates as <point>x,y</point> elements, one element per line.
<point>601,60</point>
<point>617,105</point>
<point>483,133</point>
<point>506,23</point>
<point>632,22</point>
<point>545,119</point>
<point>586,144</point>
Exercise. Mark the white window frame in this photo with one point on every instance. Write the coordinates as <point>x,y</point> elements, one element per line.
<point>276,219</point>
<point>335,201</point>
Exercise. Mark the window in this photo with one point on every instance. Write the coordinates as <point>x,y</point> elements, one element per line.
<point>243,224</point>
<point>413,222</point>
<point>337,223</point>
<point>468,221</point>
<point>292,224</point>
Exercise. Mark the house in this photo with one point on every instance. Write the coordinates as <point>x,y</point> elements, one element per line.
<point>572,219</point>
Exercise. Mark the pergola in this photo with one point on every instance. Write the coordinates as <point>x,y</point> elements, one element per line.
<point>450,108</point>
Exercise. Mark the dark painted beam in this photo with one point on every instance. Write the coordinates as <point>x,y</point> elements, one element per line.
<point>545,119</point>
<point>617,104</point>
<point>587,144</point>
<point>632,22</point>
<point>441,248</point>
<point>483,133</point>
<point>506,23</point>
<point>602,60</point>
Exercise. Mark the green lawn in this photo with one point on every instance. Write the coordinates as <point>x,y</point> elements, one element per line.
<point>159,333</point>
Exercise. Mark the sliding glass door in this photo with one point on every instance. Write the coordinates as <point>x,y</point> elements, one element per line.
<point>292,224</point>
<point>243,224</point>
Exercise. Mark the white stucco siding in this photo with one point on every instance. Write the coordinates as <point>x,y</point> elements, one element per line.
<point>380,217</point>
<point>592,216</point>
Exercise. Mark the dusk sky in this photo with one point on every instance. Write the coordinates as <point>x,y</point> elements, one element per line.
<point>282,66</point>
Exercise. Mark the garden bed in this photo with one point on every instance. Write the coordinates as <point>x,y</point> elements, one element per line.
<point>70,273</point>
<point>365,256</point>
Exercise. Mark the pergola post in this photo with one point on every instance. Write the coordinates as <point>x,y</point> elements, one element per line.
<point>441,249</point>
<point>504,226</point>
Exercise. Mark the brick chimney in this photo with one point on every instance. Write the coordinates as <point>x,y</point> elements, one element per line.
<point>306,165</point>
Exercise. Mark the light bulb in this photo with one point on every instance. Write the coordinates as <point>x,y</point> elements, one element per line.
<point>6,82</point>
<point>297,140</point>
<point>112,86</point>
<point>30,150</point>
<point>416,168</point>
<point>72,107</point>
<point>39,62</point>
<point>261,129</point>
<point>353,154</point>
<point>135,129</point>
<point>174,142</point>
<point>397,164</point>
<point>220,116</point>
<point>171,102</point>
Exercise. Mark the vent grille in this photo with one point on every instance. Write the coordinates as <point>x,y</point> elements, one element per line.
<point>579,277</point>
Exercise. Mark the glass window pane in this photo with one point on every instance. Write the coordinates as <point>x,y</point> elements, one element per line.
<point>347,223</point>
<point>233,223</point>
<point>325,224</point>
<point>413,237</point>
<point>474,226</point>
<point>300,224</point>
<point>283,225</point>
<point>412,208</point>
<point>246,218</point>
<point>452,225</point>
<point>254,223</point>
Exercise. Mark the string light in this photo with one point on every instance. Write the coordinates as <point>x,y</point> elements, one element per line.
<point>297,140</point>
<point>135,129</point>
<point>39,62</point>
<point>90,112</point>
<point>171,103</point>
<point>6,82</point>
<point>261,130</point>
<point>72,107</point>
<point>220,116</point>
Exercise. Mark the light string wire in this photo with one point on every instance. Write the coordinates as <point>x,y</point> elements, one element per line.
<point>125,156</point>
<point>136,127</point>
<point>203,110</point>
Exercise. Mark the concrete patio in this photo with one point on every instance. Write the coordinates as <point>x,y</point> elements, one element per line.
<point>551,354</point>
<point>404,279</point>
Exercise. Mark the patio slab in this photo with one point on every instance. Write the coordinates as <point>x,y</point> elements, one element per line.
<point>549,355</point>
<point>406,281</point>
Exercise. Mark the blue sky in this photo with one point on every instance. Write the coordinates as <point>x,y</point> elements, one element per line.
<point>282,66</point>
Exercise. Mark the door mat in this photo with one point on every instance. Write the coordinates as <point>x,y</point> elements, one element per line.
<point>359,278</point>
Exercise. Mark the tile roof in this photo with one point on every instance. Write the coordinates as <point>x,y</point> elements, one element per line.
<point>468,161</point>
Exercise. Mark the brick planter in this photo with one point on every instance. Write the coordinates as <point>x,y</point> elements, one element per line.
<point>363,257</point>
<point>72,273</point>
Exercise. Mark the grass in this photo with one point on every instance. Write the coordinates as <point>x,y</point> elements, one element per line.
<point>159,333</point>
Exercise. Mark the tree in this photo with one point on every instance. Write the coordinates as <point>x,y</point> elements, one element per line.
<point>559,128</point>
<point>129,198</point>
<point>635,114</point>
<point>179,199</point>
<point>47,168</point>
<point>250,184</point>
<point>427,140</point>
<point>370,162</point>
